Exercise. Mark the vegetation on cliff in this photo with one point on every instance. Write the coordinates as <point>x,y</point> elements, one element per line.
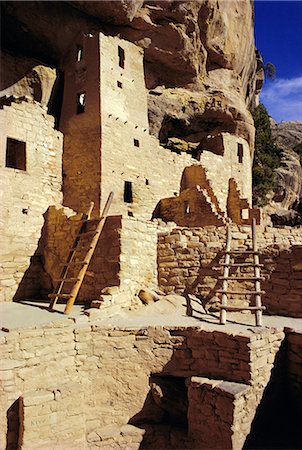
<point>266,159</point>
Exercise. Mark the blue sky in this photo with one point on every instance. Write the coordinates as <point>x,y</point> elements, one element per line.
<point>278,33</point>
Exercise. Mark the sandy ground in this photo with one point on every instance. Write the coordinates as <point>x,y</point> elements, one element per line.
<point>30,314</point>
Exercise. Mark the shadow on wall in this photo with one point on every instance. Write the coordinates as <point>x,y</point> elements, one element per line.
<point>164,414</point>
<point>35,283</point>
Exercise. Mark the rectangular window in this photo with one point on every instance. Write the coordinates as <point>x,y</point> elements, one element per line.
<point>121,57</point>
<point>81,97</point>
<point>128,196</point>
<point>119,84</point>
<point>136,142</point>
<point>79,53</point>
<point>240,153</point>
<point>15,154</point>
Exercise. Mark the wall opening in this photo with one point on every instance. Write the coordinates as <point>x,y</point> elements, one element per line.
<point>240,153</point>
<point>81,98</point>
<point>147,182</point>
<point>15,154</point>
<point>121,57</point>
<point>120,84</point>
<point>136,142</point>
<point>79,53</point>
<point>128,196</point>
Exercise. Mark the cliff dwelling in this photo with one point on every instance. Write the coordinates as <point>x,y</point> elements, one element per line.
<point>146,302</point>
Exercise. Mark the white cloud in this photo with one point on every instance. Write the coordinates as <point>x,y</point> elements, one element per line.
<point>283,99</point>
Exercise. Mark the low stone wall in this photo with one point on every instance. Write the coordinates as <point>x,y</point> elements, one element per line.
<point>189,262</point>
<point>84,385</point>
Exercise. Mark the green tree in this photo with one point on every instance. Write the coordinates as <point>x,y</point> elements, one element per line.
<point>267,157</point>
<point>270,70</point>
<point>298,148</point>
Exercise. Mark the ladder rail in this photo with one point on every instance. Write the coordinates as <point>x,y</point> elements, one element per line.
<point>226,270</point>
<point>258,312</point>
<point>76,287</point>
<point>65,269</point>
<point>256,278</point>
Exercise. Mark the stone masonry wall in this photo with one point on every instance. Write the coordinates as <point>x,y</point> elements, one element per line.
<point>188,262</point>
<point>81,157</point>
<point>129,153</point>
<point>26,194</point>
<point>126,254</point>
<point>80,385</point>
<point>155,172</point>
<point>220,168</point>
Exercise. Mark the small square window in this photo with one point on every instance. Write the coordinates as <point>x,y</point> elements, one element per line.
<point>121,57</point>
<point>136,142</point>
<point>119,84</point>
<point>15,154</point>
<point>81,98</point>
<point>128,196</point>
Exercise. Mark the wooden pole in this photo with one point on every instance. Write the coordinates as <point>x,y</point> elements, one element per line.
<point>89,254</point>
<point>225,276</point>
<point>70,257</point>
<point>258,312</point>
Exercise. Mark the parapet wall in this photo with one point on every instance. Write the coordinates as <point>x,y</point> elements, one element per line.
<point>188,262</point>
<point>84,385</point>
<point>26,192</point>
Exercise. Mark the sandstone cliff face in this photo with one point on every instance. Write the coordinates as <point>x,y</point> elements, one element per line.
<point>201,66</point>
<point>287,195</point>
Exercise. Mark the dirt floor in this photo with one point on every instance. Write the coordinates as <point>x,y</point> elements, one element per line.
<point>27,314</point>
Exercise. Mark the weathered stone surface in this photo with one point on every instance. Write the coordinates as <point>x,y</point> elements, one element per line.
<point>287,193</point>
<point>200,46</point>
<point>147,296</point>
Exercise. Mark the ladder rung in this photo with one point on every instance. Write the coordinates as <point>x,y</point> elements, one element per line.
<point>87,233</point>
<point>242,278</point>
<point>73,263</point>
<point>90,220</point>
<point>67,280</point>
<point>59,295</point>
<point>242,308</point>
<point>242,252</point>
<point>251,264</point>
<point>73,249</point>
<point>221,291</point>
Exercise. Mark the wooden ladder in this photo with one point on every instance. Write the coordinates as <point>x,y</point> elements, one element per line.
<point>75,282</point>
<point>256,278</point>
